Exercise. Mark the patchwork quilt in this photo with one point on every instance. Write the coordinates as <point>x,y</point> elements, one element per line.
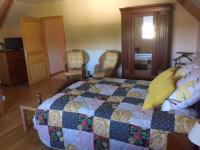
<point>103,114</point>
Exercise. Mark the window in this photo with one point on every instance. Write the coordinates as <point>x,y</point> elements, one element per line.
<point>148,30</point>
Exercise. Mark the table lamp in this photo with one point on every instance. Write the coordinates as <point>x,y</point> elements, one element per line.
<point>194,134</point>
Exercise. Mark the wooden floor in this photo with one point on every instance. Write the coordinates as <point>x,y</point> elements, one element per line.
<point>12,136</point>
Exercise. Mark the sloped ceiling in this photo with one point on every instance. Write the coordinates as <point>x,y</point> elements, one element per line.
<point>38,1</point>
<point>192,6</point>
<point>197,3</point>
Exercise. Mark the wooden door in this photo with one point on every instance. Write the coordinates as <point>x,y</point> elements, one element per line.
<point>163,40</point>
<point>36,60</point>
<point>54,39</point>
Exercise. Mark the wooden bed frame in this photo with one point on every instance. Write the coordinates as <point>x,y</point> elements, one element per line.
<point>24,109</point>
<point>2,98</point>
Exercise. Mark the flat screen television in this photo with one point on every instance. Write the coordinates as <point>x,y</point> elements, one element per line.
<point>13,43</point>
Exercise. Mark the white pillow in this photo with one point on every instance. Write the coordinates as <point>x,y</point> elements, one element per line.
<point>193,75</point>
<point>186,94</point>
<point>187,68</point>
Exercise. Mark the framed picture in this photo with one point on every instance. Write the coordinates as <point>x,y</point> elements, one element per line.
<point>2,47</point>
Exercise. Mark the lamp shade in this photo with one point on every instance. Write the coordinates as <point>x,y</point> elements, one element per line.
<point>194,134</point>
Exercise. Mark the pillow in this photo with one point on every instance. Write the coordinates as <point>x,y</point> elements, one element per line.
<point>161,77</point>
<point>193,75</point>
<point>158,95</point>
<point>186,69</point>
<point>186,94</point>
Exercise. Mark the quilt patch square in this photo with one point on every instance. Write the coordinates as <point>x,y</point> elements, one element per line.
<point>130,81</point>
<point>119,131</point>
<point>137,93</point>
<point>56,137</point>
<point>78,139</point>
<point>115,100</point>
<point>101,143</point>
<point>118,145</point>
<point>103,89</point>
<point>126,85</point>
<point>139,136</point>
<point>121,92</point>
<point>141,86</point>
<point>101,127</point>
<point>141,118</point>
<point>158,139</point>
<point>109,83</point>
<point>85,86</point>
<point>42,117</point>
<point>85,123</point>
<point>76,85</point>
<point>183,124</point>
<point>55,118</point>
<point>104,111</point>
<point>72,106</point>
<point>74,92</point>
<point>95,95</point>
<point>60,103</point>
<point>121,115</point>
<point>70,120</point>
<point>163,121</point>
<point>143,82</point>
<point>88,105</point>
<point>134,101</point>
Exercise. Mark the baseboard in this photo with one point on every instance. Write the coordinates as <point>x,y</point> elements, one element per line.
<point>62,71</point>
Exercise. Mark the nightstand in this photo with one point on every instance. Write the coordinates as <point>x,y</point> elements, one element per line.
<point>176,141</point>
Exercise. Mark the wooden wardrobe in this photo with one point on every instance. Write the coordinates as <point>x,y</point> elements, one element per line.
<point>146,40</point>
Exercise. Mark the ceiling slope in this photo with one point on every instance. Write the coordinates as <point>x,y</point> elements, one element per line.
<point>4,8</point>
<point>192,6</point>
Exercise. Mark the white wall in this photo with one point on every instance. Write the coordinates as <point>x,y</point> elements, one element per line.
<point>96,24</point>
<point>185,31</point>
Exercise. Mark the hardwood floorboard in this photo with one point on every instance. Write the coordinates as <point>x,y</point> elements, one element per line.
<point>12,136</point>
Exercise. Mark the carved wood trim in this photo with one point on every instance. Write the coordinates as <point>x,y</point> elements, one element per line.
<point>4,10</point>
<point>191,8</point>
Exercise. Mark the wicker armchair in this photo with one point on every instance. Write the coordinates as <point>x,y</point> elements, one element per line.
<point>76,59</point>
<point>108,64</point>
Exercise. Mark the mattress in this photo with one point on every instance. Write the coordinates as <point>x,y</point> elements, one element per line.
<point>105,113</point>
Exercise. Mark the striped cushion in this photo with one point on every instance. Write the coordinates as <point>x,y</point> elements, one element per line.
<point>110,60</point>
<point>75,59</point>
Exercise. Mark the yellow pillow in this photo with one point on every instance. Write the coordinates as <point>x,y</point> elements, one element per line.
<point>158,95</point>
<point>169,73</point>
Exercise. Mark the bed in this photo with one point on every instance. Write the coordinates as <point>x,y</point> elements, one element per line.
<point>143,61</point>
<point>105,113</point>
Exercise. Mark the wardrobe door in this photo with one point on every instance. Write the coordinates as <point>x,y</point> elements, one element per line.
<point>54,39</point>
<point>127,53</point>
<point>163,40</point>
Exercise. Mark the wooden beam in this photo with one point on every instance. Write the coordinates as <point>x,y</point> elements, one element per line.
<point>190,7</point>
<point>4,10</point>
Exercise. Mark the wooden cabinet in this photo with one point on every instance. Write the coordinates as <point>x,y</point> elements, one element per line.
<point>146,40</point>
<point>12,67</point>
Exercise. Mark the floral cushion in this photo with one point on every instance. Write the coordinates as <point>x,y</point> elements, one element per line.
<point>186,69</point>
<point>186,94</point>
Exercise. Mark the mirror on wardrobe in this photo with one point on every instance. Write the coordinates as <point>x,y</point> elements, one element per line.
<point>144,39</point>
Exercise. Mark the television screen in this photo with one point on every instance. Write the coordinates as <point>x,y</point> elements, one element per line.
<point>13,43</point>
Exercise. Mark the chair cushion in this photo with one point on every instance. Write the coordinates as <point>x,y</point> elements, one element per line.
<point>99,75</point>
<point>110,60</point>
<point>75,59</point>
<point>73,72</point>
